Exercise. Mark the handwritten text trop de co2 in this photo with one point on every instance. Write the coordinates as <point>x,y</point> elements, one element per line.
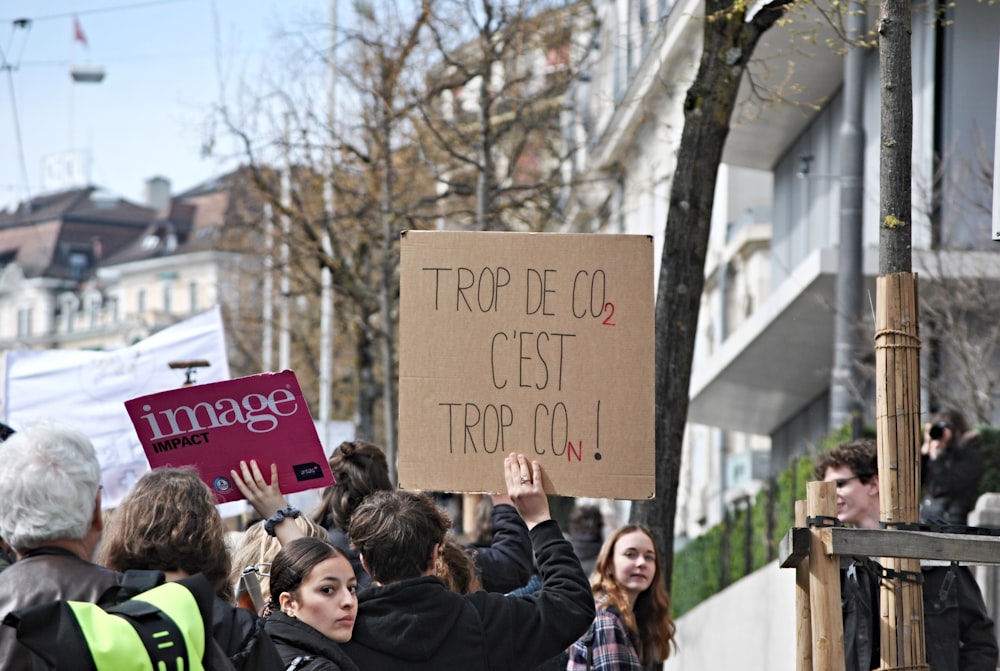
<point>525,360</point>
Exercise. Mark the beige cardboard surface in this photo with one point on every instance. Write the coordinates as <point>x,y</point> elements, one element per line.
<point>540,343</point>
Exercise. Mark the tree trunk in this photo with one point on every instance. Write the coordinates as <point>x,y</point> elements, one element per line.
<point>388,284</point>
<point>366,389</point>
<point>729,41</point>
<point>896,146</point>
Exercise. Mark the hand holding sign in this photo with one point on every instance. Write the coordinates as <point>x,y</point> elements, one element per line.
<point>266,498</point>
<point>524,485</point>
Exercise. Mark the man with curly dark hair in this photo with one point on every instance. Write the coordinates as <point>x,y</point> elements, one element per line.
<point>958,630</point>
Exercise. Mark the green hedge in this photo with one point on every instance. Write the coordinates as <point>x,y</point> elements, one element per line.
<point>719,557</point>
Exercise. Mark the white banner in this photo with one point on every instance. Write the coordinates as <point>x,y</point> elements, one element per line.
<point>87,389</point>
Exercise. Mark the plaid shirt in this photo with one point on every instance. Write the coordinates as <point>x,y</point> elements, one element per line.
<point>610,646</point>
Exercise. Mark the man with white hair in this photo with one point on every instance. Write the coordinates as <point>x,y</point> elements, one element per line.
<point>50,513</point>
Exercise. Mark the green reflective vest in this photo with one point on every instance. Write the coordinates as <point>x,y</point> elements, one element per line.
<point>162,629</point>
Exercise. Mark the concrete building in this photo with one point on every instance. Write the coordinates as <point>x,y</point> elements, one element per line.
<point>183,263</point>
<point>81,269</point>
<point>761,385</point>
<point>50,248</point>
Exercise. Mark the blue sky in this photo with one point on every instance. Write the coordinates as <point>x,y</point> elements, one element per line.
<point>151,114</point>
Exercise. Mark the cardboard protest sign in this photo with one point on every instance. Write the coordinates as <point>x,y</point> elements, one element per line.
<point>215,426</point>
<point>533,343</point>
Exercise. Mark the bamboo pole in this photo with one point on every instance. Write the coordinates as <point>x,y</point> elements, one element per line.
<point>824,584</point>
<point>897,371</point>
<point>803,618</point>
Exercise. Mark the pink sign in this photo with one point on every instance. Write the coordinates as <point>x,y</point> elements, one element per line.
<point>215,426</point>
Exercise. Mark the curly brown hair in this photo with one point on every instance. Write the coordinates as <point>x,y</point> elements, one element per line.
<point>169,522</point>
<point>861,456</point>
<point>650,617</point>
<point>359,468</point>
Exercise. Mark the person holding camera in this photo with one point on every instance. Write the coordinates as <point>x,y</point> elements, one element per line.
<point>951,468</point>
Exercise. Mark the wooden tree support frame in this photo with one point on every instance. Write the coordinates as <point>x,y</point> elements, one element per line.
<point>815,553</point>
<point>897,423</point>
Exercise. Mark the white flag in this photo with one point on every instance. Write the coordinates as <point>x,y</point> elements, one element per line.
<point>87,390</point>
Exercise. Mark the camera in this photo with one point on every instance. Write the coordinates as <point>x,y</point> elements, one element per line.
<point>937,430</point>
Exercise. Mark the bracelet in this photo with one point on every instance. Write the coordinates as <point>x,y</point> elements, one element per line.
<point>278,517</point>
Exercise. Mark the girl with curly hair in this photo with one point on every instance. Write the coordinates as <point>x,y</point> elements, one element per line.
<point>169,523</point>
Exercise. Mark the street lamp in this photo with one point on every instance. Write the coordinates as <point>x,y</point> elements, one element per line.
<point>87,74</point>
<point>189,367</point>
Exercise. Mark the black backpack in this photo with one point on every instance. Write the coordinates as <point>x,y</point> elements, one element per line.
<point>145,624</point>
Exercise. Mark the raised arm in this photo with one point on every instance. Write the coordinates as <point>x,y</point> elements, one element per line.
<point>267,499</point>
<point>543,624</point>
<point>506,563</point>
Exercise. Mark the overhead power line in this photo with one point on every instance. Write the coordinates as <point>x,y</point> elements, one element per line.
<point>98,10</point>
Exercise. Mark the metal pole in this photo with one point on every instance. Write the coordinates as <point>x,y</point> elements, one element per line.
<point>284,326</point>
<point>845,405</point>
<point>326,277</point>
<point>267,312</point>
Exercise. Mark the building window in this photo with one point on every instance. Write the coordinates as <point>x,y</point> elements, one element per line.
<point>24,319</point>
<point>68,305</point>
<point>78,262</point>
<point>141,301</point>
<point>94,311</point>
<point>556,61</point>
<point>168,299</point>
<point>193,296</point>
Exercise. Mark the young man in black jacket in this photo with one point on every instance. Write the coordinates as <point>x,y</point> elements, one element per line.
<point>411,621</point>
<point>958,630</point>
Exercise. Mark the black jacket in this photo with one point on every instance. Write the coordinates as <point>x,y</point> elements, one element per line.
<point>505,564</point>
<point>951,482</point>
<point>44,575</point>
<point>958,631</point>
<point>418,625</point>
<point>240,633</point>
<point>302,645</point>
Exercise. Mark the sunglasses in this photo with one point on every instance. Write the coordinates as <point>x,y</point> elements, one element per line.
<point>258,568</point>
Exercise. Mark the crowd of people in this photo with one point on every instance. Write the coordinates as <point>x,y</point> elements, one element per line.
<point>375,578</point>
